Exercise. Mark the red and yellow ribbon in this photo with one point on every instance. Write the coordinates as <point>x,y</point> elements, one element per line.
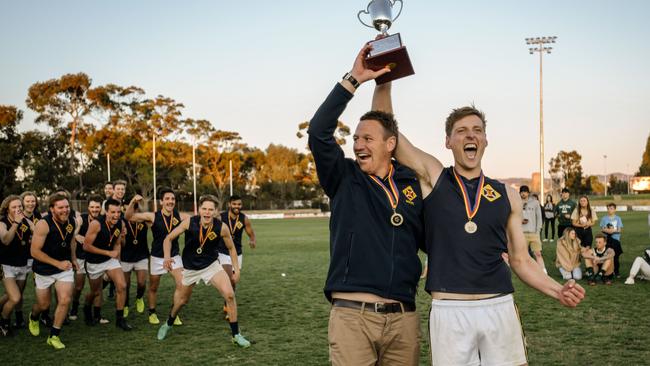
<point>470,209</point>
<point>393,194</point>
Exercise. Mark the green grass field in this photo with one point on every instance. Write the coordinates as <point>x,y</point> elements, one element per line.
<point>287,317</point>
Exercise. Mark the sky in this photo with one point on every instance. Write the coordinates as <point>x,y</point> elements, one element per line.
<point>262,67</point>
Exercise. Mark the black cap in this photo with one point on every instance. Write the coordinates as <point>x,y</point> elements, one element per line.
<point>524,188</point>
<point>565,190</point>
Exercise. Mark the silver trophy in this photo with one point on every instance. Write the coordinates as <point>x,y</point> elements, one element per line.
<point>387,51</point>
<point>381,14</point>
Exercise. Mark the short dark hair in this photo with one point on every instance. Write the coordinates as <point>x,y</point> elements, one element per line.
<point>600,236</point>
<point>234,197</point>
<point>95,198</point>
<point>119,182</point>
<point>111,202</point>
<point>163,191</point>
<point>208,198</point>
<point>460,113</point>
<point>524,188</point>
<point>566,190</point>
<point>56,197</point>
<point>63,191</point>
<point>611,204</point>
<point>387,121</point>
<point>107,183</point>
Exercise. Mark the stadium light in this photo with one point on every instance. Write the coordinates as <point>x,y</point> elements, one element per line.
<point>540,48</point>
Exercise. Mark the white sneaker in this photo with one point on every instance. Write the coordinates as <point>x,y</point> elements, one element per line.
<point>629,281</point>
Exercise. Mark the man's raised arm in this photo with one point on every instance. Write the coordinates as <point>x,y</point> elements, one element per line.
<point>328,155</point>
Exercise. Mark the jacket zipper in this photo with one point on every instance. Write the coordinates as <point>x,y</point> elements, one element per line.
<point>347,262</point>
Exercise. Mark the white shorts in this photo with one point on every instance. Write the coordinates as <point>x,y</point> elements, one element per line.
<point>460,330</point>
<point>44,282</point>
<point>81,263</point>
<point>191,276</point>
<point>97,270</point>
<point>141,265</point>
<point>30,263</point>
<point>157,265</point>
<point>225,259</point>
<point>19,273</point>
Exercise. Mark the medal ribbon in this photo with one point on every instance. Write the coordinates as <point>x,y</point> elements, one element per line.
<point>470,209</point>
<point>202,238</point>
<point>18,231</point>
<point>171,222</point>
<point>136,231</point>
<point>59,228</point>
<point>110,240</point>
<point>393,194</point>
<point>232,231</point>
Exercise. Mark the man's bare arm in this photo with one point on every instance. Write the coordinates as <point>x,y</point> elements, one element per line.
<point>527,269</point>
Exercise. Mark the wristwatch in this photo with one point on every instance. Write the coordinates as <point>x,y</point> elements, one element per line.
<point>356,84</point>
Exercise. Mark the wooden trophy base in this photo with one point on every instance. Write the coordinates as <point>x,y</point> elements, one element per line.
<point>390,51</point>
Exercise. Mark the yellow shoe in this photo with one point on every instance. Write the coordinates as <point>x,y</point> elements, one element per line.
<point>34,326</point>
<point>55,342</point>
<point>126,311</point>
<point>178,321</point>
<point>153,319</point>
<point>139,305</point>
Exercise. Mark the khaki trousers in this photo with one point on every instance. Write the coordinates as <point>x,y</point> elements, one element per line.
<point>359,338</point>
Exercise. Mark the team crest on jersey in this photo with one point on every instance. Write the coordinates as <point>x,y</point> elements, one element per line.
<point>490,193</point>
<point>410,194</point>
<point>212,235</point>
<point>116,232</point>
<point>174,221</point>
<point>23,228</point>
<point>69,228</point>
<point>239,225</point>
<point>140,226</point>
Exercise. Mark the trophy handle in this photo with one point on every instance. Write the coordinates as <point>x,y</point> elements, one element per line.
<point>401,6</point>
<point>366,12</point>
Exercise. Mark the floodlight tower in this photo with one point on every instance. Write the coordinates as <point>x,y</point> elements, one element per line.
<point>539,46</point>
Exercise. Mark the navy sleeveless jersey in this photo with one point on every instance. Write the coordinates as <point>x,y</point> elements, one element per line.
<point>85,221</point>
<point>107,238</point>
<point>56,245</point>
<point>193,260</point>
<point>161,227</point>
<point>17,252</point>
<point>135,248</point>
<point>460,262</point>
<point>236,227</point>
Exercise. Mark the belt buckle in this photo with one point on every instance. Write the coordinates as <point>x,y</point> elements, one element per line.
<point>380,307</point>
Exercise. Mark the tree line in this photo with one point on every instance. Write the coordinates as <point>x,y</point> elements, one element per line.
<point>88,123</point>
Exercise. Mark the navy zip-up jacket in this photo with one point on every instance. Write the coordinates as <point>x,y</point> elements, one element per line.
<point>367,253</point>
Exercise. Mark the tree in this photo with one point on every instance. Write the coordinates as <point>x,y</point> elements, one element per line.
<point>62,104</point>
<point>617,186</point>
<point>644,169</point>
<point>567,166</point>
<point>593,185</point>
<point>11,148</point>
<point>43,162</point>
<point>340,134</point>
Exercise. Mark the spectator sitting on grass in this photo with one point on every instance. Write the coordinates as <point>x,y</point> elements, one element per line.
<point>568,255</point>
<point>640,268</point>
<point>599,264</point>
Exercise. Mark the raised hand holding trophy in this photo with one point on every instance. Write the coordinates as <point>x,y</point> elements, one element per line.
<point>388,50</point>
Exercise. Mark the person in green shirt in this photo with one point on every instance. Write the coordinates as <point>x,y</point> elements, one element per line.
<point>563,211</point>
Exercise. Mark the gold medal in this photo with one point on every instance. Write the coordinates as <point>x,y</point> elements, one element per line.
<point>471,227</point>
<point>392,194</point>
<point>64,244</point>
<point>396,219</point>
<point>203,237</point>
<point>135,241</point>
<point>471,210</point>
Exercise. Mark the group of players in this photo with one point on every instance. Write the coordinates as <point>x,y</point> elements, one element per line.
<point>106,244</point>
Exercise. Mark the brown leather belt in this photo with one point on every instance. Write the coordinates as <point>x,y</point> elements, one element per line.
<point>375,307</point>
